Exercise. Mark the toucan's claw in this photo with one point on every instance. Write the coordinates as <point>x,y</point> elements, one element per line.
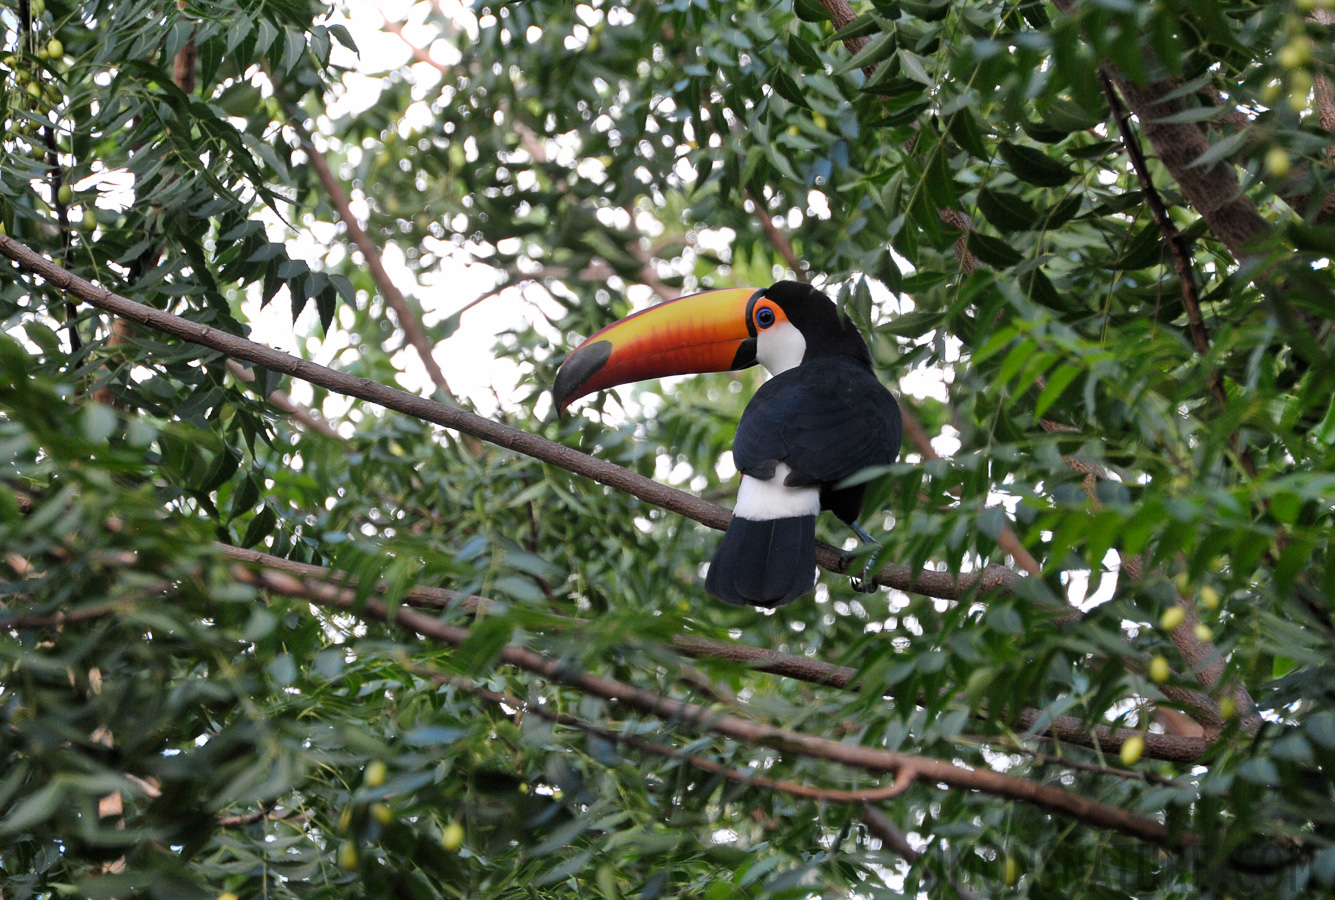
<point>864,584</point>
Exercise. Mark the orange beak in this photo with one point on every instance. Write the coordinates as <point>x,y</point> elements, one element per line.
<point>706,332</point>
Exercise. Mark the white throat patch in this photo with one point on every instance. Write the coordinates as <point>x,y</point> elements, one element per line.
<point>780,348</point>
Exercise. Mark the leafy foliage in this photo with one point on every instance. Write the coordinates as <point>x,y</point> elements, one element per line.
<point>953,172</point>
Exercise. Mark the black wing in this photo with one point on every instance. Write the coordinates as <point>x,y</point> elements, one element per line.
<point>827,419</point>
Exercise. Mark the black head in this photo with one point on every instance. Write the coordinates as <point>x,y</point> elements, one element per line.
<point>826,330</point>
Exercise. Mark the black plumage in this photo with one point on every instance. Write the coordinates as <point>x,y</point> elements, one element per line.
<point>827,419</point>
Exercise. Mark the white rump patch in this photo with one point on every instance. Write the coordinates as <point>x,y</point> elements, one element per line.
<point>761,500</point>
<point>780,348</point>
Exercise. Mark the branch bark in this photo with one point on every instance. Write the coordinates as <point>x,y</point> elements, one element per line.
<point>1066,729</point>
<point>1213,191</point>
<point>871,759</point>
<point>929,583</point>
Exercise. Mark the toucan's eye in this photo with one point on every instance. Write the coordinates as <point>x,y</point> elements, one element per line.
<point>764,317</point>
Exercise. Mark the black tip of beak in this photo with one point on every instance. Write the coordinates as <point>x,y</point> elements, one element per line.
<point>578,368</point>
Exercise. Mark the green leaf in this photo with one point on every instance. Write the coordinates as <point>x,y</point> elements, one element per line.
<point>993,251</point>
<point>260,527</point>
<point>1007,212</point>
<point>1034,166</point>
<point>1057,382</point>
<point>810,11</point>
<point>802,53</point>
<point>786,87</point>
<point>964,128</point>
<point>1146,249</point>
<point>1223,149</point>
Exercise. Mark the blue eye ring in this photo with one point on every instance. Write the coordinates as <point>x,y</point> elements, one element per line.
<point>764,317</point>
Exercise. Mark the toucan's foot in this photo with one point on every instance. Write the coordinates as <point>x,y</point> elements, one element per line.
<point>864,584</point>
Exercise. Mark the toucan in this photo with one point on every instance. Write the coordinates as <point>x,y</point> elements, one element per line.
<point>821,418</point>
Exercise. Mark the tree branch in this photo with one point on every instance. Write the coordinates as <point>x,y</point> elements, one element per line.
<point>1066,729</point>
<point>777,238</point>
<point>408,321</point>
<point>872,759</point>
<point>833,795</point>
<point>281,401</point>
<point>929,583</point>
<point>1177,244</point>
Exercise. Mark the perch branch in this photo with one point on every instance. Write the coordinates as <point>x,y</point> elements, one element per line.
<point>929,583</point>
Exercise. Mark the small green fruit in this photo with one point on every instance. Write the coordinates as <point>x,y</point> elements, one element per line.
<point>452,837</point>
<point>376,772</point>
<point>1277,163</point>
<point>1228,708</point>
<point>34,90</point>
<point>1160,670</point>
<point>1132,749</point>
<point>1172,617</point>
<point>1011,872</point>
<point>89,219</point>
<point>1296,53</point>
<point>347,856</point>
<point>1209,597</point>
<point>382,813</point>
<point>65,195</point>
<point>1203,632</point>
<point>228,895</point>
<point>345,819</point>
<point>55,49</point>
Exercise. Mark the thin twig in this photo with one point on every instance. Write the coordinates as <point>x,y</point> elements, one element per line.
<point>777,238</point>
<point>893,839</point>
<point>1177,243</point>
<point>408,321</point>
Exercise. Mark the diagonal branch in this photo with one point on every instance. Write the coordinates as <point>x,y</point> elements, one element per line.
<point>1066,729</point>
<point>1177,244</point>
<point>408,321</point>
<point>871,759</point>
<point>1213,191</point>
<point>925,582</point>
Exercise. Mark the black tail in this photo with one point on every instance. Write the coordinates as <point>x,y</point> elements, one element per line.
<point>768,563</point>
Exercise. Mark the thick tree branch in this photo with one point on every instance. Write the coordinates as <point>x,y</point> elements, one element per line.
<point>925,582</point>
<point>1212,190</point>
<point>872,759</point>
<point>1066,729</point>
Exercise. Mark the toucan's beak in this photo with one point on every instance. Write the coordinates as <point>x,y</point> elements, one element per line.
<point>707,332</point>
